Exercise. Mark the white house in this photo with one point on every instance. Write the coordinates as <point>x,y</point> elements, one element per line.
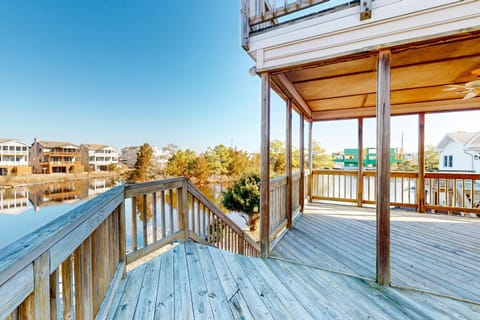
<point>459,151</point>
<point>98,157</point>
<point>14,157</point>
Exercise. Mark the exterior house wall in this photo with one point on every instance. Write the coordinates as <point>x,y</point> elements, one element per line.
<point>129,156</point>
<point>14,158</point>
<point>98,158</point>
<point>461,160</point>
<point>55,157</point>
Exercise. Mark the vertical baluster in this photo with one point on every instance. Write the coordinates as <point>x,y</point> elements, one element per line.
<point>203,221</point>
<point>54,280</point>
<point>194,213</point>
<point>455,193</point>
<point>170,192</point>
<point>209,228</point>
<point>134,224</point>
<point>67,281</point>
<point>145,222</point>
<point>162,212</point>
<point>199,230</point>
<point>154,216</point>
<point>472,194</point>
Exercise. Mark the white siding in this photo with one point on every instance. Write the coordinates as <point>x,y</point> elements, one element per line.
<point>342,32</point>
<point>461,160</point>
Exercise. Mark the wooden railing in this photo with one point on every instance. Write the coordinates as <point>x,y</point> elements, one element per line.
<point>261,14</point>
<point>278,203</point>
<point>68,268</point>
<point>446,192</point>
<point>72,267</point>
<point>452,192</point>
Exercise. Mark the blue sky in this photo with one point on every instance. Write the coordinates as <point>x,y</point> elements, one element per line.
<point>128,72</point>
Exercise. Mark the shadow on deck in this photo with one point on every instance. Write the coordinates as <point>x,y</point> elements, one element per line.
<point>433,253</point>
<point>194,281</point>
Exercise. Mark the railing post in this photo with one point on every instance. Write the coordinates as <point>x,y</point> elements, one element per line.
<point>310,159</point>
<point>265,168</point>
<point>184,210</point>
<point>302,162</point>
<point>383,168</point>
<point>360,164</point>
<point>421,164</point>
<point>288,151</point>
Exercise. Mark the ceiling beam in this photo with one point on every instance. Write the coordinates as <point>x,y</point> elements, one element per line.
<point>400,109</point>
<point>295,95</point>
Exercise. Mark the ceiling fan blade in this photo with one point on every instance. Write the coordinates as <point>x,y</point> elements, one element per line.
<point>452,87</point>
<point>470,95</point>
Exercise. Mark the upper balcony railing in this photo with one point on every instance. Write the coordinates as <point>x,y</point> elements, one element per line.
<point>258,15</point>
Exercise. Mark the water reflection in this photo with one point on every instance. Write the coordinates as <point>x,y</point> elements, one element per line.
<point>14,201</point>
<point>17,200</point>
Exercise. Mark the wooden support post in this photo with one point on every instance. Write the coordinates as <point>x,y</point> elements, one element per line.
<point>310,159</point>
<point>383,168</point>
<point>421,164</point>
<point>302,162</point>
<point>288,149</point>
<point>265,168</point>
<point>360,164</point>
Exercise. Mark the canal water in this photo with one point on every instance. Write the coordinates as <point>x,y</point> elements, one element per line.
<point>25,209</point>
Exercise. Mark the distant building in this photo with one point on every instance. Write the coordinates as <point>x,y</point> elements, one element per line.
<point>348,159</point>
<point>55,157</point>
<point>97,157</point>
<point>460,152</point>
<point>129,156</point>
<point>14,157</point>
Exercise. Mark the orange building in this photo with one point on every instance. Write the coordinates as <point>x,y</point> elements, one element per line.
<point>55,157</point>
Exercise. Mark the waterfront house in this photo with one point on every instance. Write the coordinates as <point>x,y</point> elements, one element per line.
<point>459,152</point>
<point>55,157</point>
<point>97,157</point>
<point>14,157</point>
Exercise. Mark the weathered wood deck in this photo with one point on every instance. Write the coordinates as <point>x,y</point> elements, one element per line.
<point>195,281</point>
<point>434,253</point>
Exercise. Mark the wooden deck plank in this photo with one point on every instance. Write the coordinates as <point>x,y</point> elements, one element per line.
<point>216,294</point>
<point>194,281</point>
<point>165,302</point>
<point>148,293</point>
<point>128,301</point>
<point>201,304</point>
<point>428,252</point>
<point>183,297</point>
<point>286,297</point>
<point>264,291</point>
<point>238,304</point>
<point>255,304</point>
<point>415,266</point>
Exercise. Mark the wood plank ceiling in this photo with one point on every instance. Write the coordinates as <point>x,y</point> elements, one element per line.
<point>344,88</point>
